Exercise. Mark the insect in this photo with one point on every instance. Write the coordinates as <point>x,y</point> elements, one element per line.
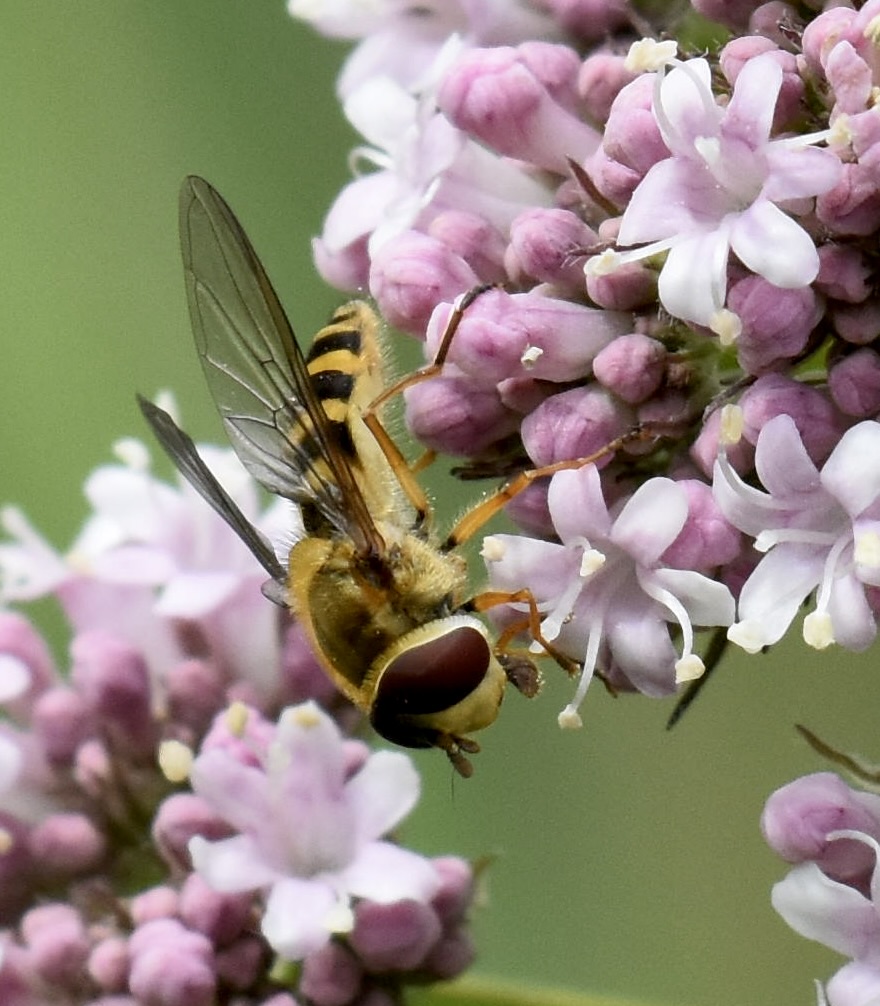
<point>384,604</point>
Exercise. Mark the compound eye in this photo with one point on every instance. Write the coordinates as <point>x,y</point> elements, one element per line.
<point>435,675</point>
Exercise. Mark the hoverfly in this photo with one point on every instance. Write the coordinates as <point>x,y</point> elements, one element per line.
<point>385,606</point>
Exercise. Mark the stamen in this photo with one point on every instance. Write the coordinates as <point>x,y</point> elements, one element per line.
<point>867,549</point>
<point>726,325</point>
<point>569,718</point>
<point>748,635</point>
<point>648,55</point>
<point>818,630</point>
<point>732,424</point>
<point>175,760</point>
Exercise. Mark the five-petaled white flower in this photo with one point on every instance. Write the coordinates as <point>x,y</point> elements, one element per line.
<point>308,832</point>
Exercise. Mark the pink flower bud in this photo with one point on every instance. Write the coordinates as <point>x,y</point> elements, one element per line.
<point>498,96</point>
<point>823,33</point>
<point>180,817</point>
<point>67,844</point>
<point>707,540</point>
<point>776,323</point>
<point>92,768</point>
<point>739,51</point>
<point>852,207</point>
<point>590,19</point>
<point>602,76</point>
<point>798,818</point>
<point>775,20</point>
<point>20,642</point>
<point>704,449</point>
<point>114,679</point>
<point>62,719</point>
<point>455,895</point>
<point>628,287</point>
<point>458,416</point>
<point>632,136</point>
<point>474,239</point>
<point>818,422</point>
<point>450,956</point>
<point>158,902</point>
<point>844,273</point>
<point>171,965</point>
<point>411,274</point>
<point>331,976</point>
<point>529,510</point>
<point>281,999</point>
<point>546,245</point>
<point>614,180</point>
<point>631,367</point>
<point>108,964</point>
<point>195,693</point>
<point>734,14</point>
<point>346,268</point>
<point>221,917</point>
<point>574,424</point>
<point>854,383</point>
<point>242,963</point>
<point>504,335</point>
<point>857,323</point>
<point>395,937</point>
<point>58,943</point>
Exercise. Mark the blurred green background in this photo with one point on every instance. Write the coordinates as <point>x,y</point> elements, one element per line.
<point>628,860</point>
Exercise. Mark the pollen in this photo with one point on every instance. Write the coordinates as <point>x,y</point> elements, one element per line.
<point>591,561</point>
<point>818,630</point>
<point>236,718</point>
<point>603,265</point>
<point>306,717</point>
<point>569,719</point>
<point>748,634</point>
<point>493,549</point>
<point>175,760</point>
<point>732,423</point>
<point>530,356</point>
<point>7,842</point>
<point>689,668</point>
<point>726,325</point>
<point>647,55</point>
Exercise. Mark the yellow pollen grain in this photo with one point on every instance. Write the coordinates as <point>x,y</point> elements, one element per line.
<point>818,630</point>
<point>569,719</point>
<point>689,668</point>
<point>732,424</point>
<point>7,842</point>
<point>591,560</point>
<point>872,31</point>
<point>726,325</point>
<point>175,760</point>
<point>305,716</point>
<point>236,718</point>
<point>647,55</point>
<point>602,265</point>
<point>530,356</point>
<point>493,549</point>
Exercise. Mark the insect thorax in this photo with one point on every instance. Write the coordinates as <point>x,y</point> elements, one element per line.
<point>354,610</point>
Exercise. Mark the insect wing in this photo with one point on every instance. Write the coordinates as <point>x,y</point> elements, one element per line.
<point>256,371</point>
<point>182,451</point>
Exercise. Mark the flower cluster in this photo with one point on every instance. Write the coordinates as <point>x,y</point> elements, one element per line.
<point>831,833</point>
<point>665,233</point>
<point>183,819</point>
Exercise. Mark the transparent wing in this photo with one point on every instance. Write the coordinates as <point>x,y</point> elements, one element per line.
<point>256,372</point>
<point>182,451</point>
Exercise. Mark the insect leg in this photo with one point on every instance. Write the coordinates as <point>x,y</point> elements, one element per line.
<point>479,515</point>
<point>531,622</point>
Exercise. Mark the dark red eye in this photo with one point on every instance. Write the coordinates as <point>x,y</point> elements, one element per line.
<point>432,676</point>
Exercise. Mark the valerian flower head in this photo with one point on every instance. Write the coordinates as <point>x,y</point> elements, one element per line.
<point>606,595</point>
<point>309,833</point>
<point>819,530</point>
<point>722,189</point>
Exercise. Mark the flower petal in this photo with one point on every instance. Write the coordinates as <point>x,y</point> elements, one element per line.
<point>384,872</point>
<point>230,864</point>
<point>382,793</point>
<point>299,917</point>
<point>651,520</point>
<point>773,245</point>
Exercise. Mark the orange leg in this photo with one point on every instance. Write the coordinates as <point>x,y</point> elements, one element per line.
<point>531,622</point>
<point>482,512</point>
